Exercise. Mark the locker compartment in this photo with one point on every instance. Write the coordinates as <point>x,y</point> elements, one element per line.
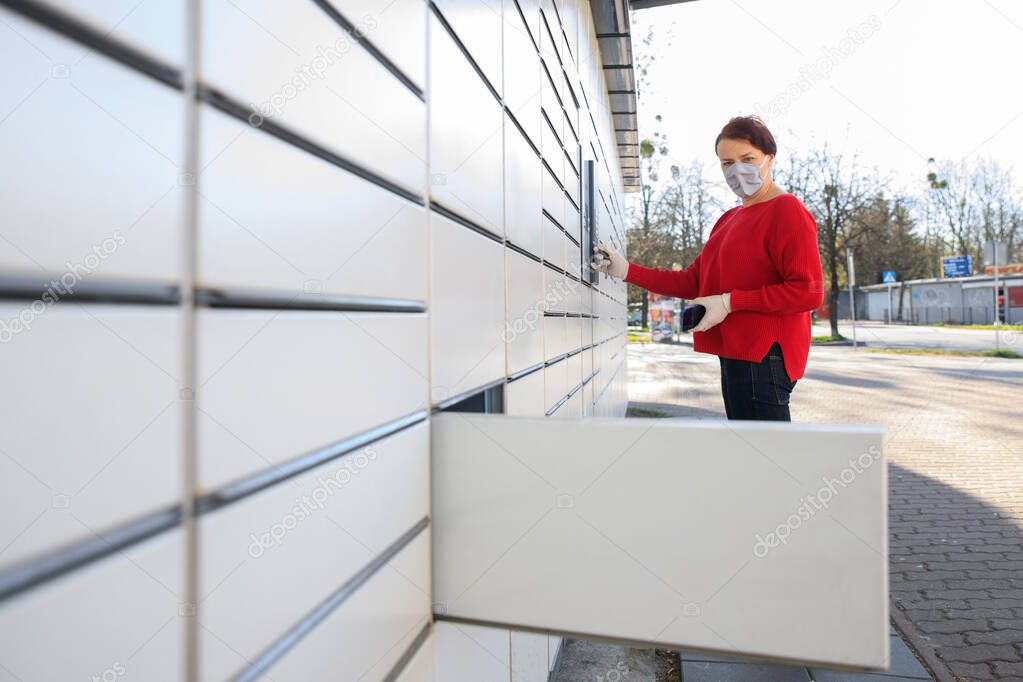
<point>522,191</point>
<point>573,337</point>
<point>524,397</point>
<point>550,147</point>
<point>421,667</point>
<point>523,330</point>
<point>553,244</point>
<point>306,76</point>
<point>305,536</point>
<point>275,385</point>
<point>597,497</point>
<point>478,25</point>
<point>117,616</point>
<point>273,217</point>
<point>397,28</point>
<point>91,190</point>
<point>154,27</point>
<point>554,335</point>
<point>465,135</point>
<point>370,631</point>
<point>466,310</point>
<point>555,384</point>
<point>105,450</point>
<point>553,197</point>
<point>574,371</point>
<point>522,74</point>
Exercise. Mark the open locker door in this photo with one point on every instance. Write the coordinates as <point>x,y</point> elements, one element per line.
<point>752,539</point>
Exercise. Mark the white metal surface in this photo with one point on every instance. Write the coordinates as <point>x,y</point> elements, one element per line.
<point>757,539</point>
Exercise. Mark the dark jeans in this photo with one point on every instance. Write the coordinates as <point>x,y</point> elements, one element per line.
<point>757,390</point>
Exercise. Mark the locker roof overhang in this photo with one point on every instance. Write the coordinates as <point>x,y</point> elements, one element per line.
<point>611,22</point>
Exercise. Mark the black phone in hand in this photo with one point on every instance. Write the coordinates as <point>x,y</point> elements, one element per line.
<point>692,315</point>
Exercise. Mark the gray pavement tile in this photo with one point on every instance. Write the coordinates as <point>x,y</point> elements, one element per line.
<point>707,671</point>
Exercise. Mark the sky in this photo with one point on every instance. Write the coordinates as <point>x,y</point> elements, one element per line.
<point>896,81</point>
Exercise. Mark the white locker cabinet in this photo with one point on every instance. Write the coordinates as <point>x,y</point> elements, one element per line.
<point>465,135</point>
<point>467,346</point>
<point>522,170</point>
<point>273,217</point>
<point>555,334</point>
<point>306,536</point>
<point>91,422</point>
<point>550,147</point>
<point>305,76</point>
<point>368,633</point>
<point>154,27</point>
<point>116,618</point>
<point>95,193</point>
<point>523,331</point>
<point>260,370</point>
<point>574,371</point>
<point>524,397</point>
<point>555,384</point>
<point>554,524</point>
<point>396,27</point>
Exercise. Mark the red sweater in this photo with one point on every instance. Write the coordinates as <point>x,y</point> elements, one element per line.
<point>766,254</point>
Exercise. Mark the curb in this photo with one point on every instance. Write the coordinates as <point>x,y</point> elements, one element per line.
<point>924,651</point>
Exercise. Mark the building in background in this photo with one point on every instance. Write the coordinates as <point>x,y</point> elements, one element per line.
<point>249,249</point>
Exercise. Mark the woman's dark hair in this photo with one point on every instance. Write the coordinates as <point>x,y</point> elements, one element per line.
<point>751,129</point>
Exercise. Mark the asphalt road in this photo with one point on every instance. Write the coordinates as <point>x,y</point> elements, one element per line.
<point>880,335</point>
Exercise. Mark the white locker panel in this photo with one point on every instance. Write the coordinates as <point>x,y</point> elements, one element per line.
<point>273,217</point>
<point>553,244</point>
<point>522,169</point>
<point>554,335</point>
<point>155,27</point>
<point>466,309</point>
<point>260,370</point>
<point>469,652</point>
<point>553,197</point>
<point>311,76</point>
<point>421,667</point>
<point>478,24</point>
<point>397,28</point>
<point>522,78</point>
<point>555,384</point>
<point>574,371</point>
<point>465,135</point>
<point>529,530</point>
<point>94,193</point>
<point>117,618</point>
<point>369,632</point>
<point>523,331</point>
<point>306,537</point>
<point>91,422</point>
<point>524,397</point>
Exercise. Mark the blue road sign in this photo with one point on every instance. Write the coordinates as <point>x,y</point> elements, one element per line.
<point>957,266</point>
<point>889,277</point>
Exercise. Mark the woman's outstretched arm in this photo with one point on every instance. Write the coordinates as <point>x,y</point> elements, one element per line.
<point>677,283</point>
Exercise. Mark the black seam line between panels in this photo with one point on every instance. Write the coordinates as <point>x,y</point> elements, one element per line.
<point>272,300</point>
<point>370,47</point>
<point>84,34</point>
<point>465,52</point>
<point>399,667</point>
<point>53,290</point>
<point>525,24</point>
<point>66,559</point>
<point>235,109</point>
<point>294,635</point>
<point>521,251</point>
<point>440,209</point>
<point>453,400</point>
<point>289,469</point>
<point>514,376</point>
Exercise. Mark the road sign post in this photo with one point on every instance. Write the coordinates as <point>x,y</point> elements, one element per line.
<point>889,279</point>
<point>851,270</point>
<point>991,251</point>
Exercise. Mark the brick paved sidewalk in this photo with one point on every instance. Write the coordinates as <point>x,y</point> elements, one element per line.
<point>955,448</point>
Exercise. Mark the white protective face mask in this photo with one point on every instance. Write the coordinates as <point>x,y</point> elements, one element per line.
<point>744,178</point>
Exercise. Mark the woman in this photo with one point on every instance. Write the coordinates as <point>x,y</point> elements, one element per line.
<point>759,276</point>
